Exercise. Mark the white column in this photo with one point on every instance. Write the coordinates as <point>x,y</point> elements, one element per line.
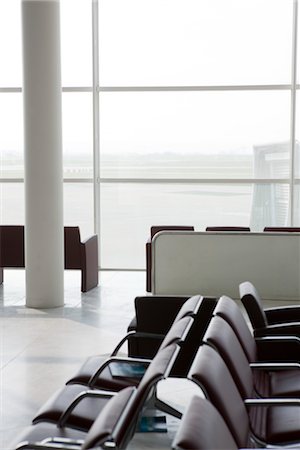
<point>44,254</point>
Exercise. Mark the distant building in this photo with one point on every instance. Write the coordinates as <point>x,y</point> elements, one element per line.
<point>270,202</point>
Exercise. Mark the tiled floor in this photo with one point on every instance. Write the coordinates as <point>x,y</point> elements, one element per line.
<point>41,349</point>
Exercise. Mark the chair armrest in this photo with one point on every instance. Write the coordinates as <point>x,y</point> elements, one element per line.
<point>278,349</point>
<point>64,441</point>
<point>272,402</point>
<point>132,325</point>
<point>283,314</point>
<point>273,367</point>
<point>148,265</point>
<point>287,329</point>
<point>48,446</point>
<point>136,335</point>
<point>127,360</point>
<point>68,411</point>
<point>89,263</point>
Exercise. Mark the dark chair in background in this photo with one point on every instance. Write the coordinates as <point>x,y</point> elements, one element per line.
<point>155,315</point>
<point>78,255</point>
<point>229,228</point>
<point>153,230</point>
<point>95,370</point>
<point>12,253</point>
<point>83,256</point>
<point>282,229</point>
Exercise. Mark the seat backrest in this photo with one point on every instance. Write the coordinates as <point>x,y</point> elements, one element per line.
<point>283,229</point>
<point>203,428</point>
<point>103,429</point>
<point>210,372</point>
<point>117,420</point>
<point>155,314</point>
<point>178,332</point>
<point>157,228</point>
<point>253,305</point>
<point>221,336</point>
<point>190,307</point>
<point>230,311</point>
<point>72,248</point>
<point>220,228</point>
<point>12,246</point>
<point>158,369</point>
<point>190,346</point>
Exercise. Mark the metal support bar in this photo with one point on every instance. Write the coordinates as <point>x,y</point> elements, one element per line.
<point>96,122</point>
<point>293,112</point>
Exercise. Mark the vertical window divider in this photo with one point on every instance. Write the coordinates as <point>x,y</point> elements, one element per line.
<point>293,112</point>
<point>96,122</point>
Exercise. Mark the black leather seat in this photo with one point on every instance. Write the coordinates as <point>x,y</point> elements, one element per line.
<point>203,428</point>
<point>95,372</point>
<point>283,320</point>
<point>266,421</point>
<point>269,379</point>
<point>78,407</point>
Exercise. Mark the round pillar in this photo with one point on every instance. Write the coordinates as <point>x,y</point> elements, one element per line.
<point>44,245</point>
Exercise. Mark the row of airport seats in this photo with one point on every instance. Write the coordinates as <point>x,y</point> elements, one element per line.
<point>157,228</point>
<point>247,404</point>
<point>201,339</point>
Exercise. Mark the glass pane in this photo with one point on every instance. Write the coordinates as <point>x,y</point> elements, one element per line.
<point>297,205</point>
<point>11,137</point>
<point>78,207</point>
<point>129,210</point>
<point>12,205</point>
<point>270,206</point>
<point>231,134</point>
<point>76,42</point>
<point>78,135</point>
<point>297,146</point>
<point>10,43</point>
<point>207,42</point>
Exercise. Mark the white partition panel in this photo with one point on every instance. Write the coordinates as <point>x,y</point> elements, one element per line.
<point>186,263</point>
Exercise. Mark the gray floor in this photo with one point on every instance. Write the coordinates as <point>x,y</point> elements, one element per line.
<point>41,349</point>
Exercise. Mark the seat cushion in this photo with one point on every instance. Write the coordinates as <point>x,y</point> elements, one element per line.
<point>83,415</point>
<point>105,380</point>
<point>285,384</point>
<point>41,431</point>
<point>281,383</point>
<point>283,424</point>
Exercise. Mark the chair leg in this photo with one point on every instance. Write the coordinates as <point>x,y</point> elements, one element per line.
<point>168,409</point>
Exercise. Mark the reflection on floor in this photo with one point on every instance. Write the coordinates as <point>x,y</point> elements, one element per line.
<point>41,349</point>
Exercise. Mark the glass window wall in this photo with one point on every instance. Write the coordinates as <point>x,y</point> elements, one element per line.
<point>195,117</point>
